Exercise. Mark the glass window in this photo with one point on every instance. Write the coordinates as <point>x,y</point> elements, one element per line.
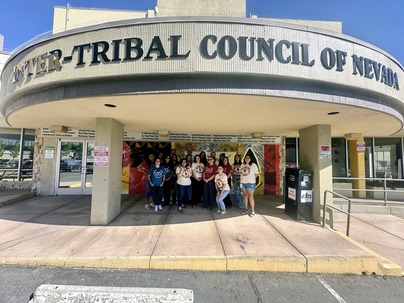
<point>387,157</point>
<point>291,151</point>
<point>339,157</point>
<point>10,153</point>
<point>369,171</point>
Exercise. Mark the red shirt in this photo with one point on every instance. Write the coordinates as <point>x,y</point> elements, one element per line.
<point>210,170</point>
<point>227,169</point>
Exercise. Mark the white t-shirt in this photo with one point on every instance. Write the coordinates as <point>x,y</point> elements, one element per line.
<point>221,182</point>
<point>248,173</point>
<point>185,177</point>
<point>197,168</point>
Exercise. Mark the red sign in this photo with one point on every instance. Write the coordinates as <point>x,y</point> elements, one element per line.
<point>360,147</point>
<point>101,156</point>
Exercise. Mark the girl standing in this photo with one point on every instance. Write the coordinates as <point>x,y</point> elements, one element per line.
<point>238,194</point>
<point>156,179</point>
<point>168,173</point>
<point>222,188</point>
<point>184,174</point>
<point>197,182</point>
<point>228,170</point>
<point>249,171</point>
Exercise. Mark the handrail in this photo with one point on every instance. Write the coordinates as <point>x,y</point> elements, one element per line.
<point>348,213</point>
<point>385,191</point>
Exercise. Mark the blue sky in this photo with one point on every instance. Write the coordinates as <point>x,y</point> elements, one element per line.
<point>380,23</point>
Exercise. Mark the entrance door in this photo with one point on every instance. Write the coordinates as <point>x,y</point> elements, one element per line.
<point>75,167</point>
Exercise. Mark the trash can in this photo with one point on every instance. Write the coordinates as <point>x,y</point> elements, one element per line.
<point>298,194</point>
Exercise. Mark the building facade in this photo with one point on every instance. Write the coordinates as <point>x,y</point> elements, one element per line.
<point>176,76</point>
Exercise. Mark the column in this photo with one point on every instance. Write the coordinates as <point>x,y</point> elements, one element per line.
<point>106,192</point>
<point>315,155</point>
<point>357,165</point>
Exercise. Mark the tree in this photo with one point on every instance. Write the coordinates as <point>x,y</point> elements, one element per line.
<point>15,150</point>
<point>1,148</point>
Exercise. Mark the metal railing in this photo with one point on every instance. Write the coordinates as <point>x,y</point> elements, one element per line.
<point>383,184</point>
<point>348,213</point>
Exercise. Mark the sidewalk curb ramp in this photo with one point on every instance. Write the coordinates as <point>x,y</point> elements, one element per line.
<point>383,267</point>
<point>49,293</point>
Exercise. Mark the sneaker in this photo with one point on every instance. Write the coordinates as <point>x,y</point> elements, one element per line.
<point>152,204</point>
<point>160,208</point>
<point>156,208</point>
<point>180,210</point>
<point>252,214</point>
<point>147,206</point>
<point>223,212</point>
<point>219,211</point>
<point>244,211</point>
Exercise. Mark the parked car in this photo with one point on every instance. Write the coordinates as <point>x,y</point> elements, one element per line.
<point>64,166</point>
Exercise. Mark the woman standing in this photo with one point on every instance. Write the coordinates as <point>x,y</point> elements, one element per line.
<point>184,174</point>
<point>202,154</point>
<point>249,171</point>
<point>227,169</point>
<point>168,174</point>
<point>238,194</point>
<point>209,192</point>
<point>222,188</point>
<point>156,179</point>
<point>174,188</point>
<point>197,183</point>
<point>144,168</point>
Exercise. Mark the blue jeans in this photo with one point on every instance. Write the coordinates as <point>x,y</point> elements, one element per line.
<point>238,195</point>
<point>157,192</point>
<point>183,194</point>
<point>149,193</point>
<point>219,199</point>
<point>209,194</point>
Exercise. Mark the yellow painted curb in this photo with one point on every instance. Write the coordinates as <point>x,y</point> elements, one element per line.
<point>18,261</point>
<point>384,266</point>
<point>342,264</point>
<point>188,263</point>
<point>109,262</point>
<point>274,264</point>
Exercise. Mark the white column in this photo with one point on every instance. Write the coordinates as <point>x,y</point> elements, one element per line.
<point>106,192</point>
<point>312,139</point>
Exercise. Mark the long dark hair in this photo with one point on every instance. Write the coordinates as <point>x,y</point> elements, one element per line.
<point>239,161</point>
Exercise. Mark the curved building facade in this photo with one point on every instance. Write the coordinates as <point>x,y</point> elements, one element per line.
<point>198,80</point>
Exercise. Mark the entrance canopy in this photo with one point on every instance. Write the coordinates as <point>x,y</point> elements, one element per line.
<point>205,75</point>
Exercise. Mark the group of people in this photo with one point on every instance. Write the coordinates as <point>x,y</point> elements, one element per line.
<point>199,181</point>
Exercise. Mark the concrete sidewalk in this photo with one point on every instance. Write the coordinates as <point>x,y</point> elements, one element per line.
<point>55,231</point>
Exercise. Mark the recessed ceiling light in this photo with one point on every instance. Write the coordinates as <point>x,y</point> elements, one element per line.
<point>332,113</point>
<point>109,105</point>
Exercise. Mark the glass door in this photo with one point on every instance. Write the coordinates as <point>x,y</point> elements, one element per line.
<point>75,167</point>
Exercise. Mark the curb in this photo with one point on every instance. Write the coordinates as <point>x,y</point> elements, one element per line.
<point>19,198</point>
<point>384,267</point>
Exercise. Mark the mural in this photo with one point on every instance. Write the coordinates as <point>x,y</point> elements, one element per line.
<point>265,156</point>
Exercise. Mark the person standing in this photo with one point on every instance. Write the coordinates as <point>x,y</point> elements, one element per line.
<point>184,174</point>
<point>174,187</point>
<point>249,171</point>
<point>144,168</point>
<point>156,179</point>
<point>228,170</point>
<point>202,154</point>
<point>238,194</point>
<point>197,182</point>
<point>168,174</point>
<point>209,192</point>
<point>222,188</point>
